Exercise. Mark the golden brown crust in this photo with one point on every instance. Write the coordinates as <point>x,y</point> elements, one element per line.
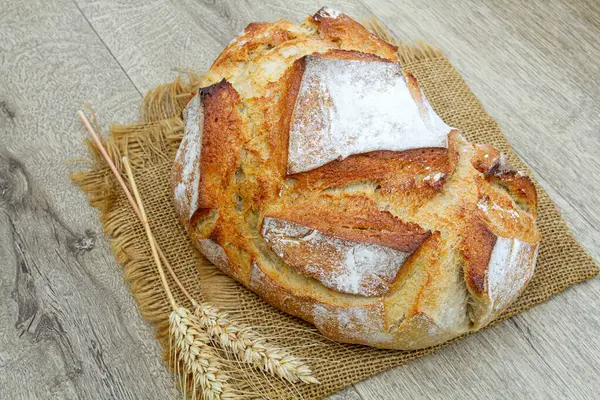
<point>394,171</point>
<point>503,216</point>
<point>486,159</point>
<point>256,38</point>
<point>414,88</point>
<point>317,310</point>
<point>520,187</point>
<point>492,164</point>
<point>374,247</point>
<point>455,142</point>
<point>202,223</point>
<point>279,134</point>
<point>351,55</point>
<point>496,270</point>
<point>426,304</point>
<point>352,35</point>
<point>221,141</point>
<point>477,250</point>
<point>355,218</point>
<point>280,295</point>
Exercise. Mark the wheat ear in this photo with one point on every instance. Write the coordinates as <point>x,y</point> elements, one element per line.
<point>197,356</point>
<point>249,347</point>
<point>245,344</point>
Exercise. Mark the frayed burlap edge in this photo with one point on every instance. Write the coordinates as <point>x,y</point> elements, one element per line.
<point>152,142</point>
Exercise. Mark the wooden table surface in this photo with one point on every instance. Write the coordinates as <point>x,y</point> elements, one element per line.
<point>70,328</point>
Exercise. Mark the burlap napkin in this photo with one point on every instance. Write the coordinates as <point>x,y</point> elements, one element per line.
<point>151,144</point>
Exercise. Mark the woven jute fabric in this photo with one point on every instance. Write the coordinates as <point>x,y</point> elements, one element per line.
<point>151,145</point>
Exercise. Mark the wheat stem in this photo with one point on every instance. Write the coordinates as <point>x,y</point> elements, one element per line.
<point>192,343</point>
<point>144,219</point>
<point>192,332</point>
<point>133,203</point>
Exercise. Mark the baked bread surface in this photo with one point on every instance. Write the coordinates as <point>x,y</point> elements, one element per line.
<point>314,171</point>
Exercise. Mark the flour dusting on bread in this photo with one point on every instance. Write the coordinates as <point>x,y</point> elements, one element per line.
<point>356,323</point>
<point>347,266</point>
<point>511,266</point>
<point>188,160</point>
<point>352,106</point>
<point>327,12</point>
<point>314,171</point>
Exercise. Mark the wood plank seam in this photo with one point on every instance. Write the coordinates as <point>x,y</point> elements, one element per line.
<point>106,46</point>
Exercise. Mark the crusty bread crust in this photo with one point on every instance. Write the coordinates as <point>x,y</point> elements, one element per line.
<point>393,171</point>
<point>356,218</point>
<point>403,246</point>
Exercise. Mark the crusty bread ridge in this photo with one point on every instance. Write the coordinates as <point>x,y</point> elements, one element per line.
<point>314,171</point>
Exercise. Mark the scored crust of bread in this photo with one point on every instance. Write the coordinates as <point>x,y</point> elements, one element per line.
<point>364,268</point>
<point>209,152</point>
<point>352,95</point>
<point>371,219</point>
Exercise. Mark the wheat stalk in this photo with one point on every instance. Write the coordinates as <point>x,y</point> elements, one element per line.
<point>192,344</point>
<point>248,347</point>
<point>192,332</point>
<point>129,196</point>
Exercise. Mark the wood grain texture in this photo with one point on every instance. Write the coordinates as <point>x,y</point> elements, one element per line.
<point>73,330</point>
<point>152,38</point>
<point>69,328</point>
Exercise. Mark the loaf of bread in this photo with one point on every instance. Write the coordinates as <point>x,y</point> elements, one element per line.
<point>314,171</point>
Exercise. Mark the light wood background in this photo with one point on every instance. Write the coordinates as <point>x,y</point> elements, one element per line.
<point>69,327</point>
